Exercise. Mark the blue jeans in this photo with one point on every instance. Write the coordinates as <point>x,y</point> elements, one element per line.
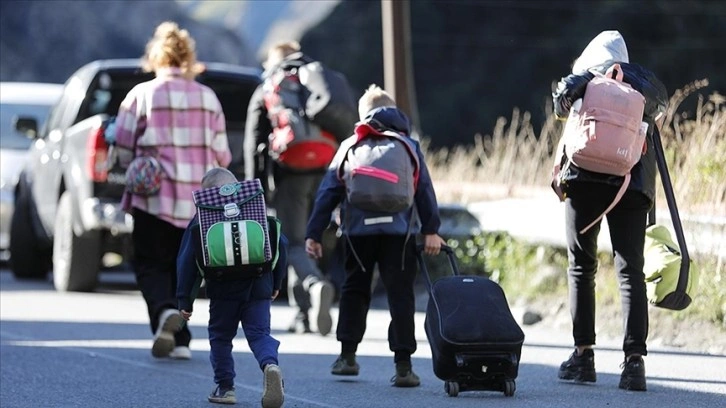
<point>224,319</point>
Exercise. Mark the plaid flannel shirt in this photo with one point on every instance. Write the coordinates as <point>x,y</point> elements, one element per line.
<point>181,123</point>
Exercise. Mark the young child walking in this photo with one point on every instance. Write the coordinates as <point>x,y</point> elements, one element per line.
<point>386,238</point>
<point>232,302</point>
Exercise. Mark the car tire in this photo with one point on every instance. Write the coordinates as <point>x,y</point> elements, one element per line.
<point>76,259</point>
<point>29,259</point>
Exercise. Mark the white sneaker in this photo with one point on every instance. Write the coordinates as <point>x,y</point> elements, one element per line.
<point>273,391</point>
<point>321,300</point>
<point>181,353</point>
<point>170,322</point>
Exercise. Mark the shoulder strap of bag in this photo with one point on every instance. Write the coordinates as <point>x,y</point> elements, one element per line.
<point>618,196</point>
<point>673,209</point>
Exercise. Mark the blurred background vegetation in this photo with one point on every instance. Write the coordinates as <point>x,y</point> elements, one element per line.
<point>483,73</point>
<point>474,61</point>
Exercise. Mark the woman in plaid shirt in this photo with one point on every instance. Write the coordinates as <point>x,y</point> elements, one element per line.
<point>179,122</point>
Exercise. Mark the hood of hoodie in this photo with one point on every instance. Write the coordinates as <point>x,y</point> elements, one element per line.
<point>388,118</point>
<point>606,48</point>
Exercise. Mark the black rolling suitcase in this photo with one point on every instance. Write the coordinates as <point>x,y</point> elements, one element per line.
<point>475,342</point>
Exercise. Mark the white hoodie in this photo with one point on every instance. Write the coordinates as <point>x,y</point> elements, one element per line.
<point>606,48</point>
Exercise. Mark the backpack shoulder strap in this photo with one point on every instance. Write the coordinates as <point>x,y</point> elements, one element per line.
<point>364,131</point>
<point>618,196</point>
<point>274,226</point>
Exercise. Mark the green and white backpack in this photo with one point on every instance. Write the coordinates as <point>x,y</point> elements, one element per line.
<point>236,238</point>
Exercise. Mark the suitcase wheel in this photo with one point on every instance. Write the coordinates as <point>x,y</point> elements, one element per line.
<point>451,388</point>
<point>509,387</point>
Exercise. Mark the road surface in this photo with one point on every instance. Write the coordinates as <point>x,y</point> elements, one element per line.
<point>92,350</point>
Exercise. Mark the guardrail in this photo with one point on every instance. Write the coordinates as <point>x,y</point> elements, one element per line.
<point>542,220</point>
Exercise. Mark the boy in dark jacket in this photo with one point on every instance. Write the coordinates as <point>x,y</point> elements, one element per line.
<point>587,195</point>
<point>386,239</point>
<point>230,302</point>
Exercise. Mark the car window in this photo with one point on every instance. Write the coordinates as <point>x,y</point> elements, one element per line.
<point>234,95</point>
<point>9,137</point>
<point>108,89</point>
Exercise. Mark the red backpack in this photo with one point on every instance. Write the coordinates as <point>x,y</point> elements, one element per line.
<point>296,141</point>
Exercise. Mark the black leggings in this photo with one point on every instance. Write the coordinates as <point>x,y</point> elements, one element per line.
<point>156,245</point>
<point>627,223</point>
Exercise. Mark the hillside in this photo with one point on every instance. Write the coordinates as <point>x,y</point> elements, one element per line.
<point>48,40</point>
<point>475,60</point>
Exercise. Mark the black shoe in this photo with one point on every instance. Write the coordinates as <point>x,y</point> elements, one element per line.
<point>405,377</point>
<point>580,368</point>
<point>345,366</point>
<point>223,395</point>
<point>300,324</point>
<point>633,376</point>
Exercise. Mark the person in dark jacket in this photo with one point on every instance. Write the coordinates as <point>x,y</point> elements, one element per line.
<point>587,194</point>
<point>232,302</point>
<point>292,197</point>
<point>384,239</point>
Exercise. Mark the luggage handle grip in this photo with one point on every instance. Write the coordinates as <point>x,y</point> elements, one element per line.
<point>422,263</point>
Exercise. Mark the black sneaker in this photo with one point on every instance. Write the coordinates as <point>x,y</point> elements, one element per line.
<point>579,368</point>
<point>223,395</point>
<point>633,376</point>
<point>343,366</point>
<point>300,324</point>
<point>405,377</point>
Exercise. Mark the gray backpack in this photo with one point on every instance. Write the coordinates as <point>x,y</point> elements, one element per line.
<point>380,171</point>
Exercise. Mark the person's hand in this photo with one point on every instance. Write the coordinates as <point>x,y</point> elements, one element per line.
<point>432,244</point>
<point>314,248</point>
<point>275,293</point>
<point>186,315</point>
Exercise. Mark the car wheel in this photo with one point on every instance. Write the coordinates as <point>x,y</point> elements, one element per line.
<point>28,258</point>
<point>76,259</point>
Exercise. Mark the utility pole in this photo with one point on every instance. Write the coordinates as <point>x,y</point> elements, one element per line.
<point>397,61</point>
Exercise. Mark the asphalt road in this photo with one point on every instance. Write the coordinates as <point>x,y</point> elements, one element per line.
<point>92,350</point>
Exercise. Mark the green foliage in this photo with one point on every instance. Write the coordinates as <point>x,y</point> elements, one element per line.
<point>709,300</point>
<point>522,269</point>
<point>527,271</point>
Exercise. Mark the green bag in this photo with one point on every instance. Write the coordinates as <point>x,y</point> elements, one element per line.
<point>235,243</point>
<point>662,269</point>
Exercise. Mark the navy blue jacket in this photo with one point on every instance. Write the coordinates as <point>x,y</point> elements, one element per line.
<point>189,276</point>
<point>331,193</point>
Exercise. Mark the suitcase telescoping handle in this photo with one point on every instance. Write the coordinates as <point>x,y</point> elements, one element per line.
<point>424,269</point>
<point>681,302</point>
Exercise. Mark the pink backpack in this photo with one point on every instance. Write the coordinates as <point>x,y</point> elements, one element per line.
<point>607,134</point>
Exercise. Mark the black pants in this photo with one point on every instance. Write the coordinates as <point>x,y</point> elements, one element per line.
<point>627,223</point>
<point>156,245</point>
<point>398,274</point>
<point>293,202</point>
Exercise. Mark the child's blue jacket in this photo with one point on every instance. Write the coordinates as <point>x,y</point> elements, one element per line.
<point>189,276</point>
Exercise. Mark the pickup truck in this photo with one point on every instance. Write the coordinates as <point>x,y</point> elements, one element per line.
<point>67,202</point>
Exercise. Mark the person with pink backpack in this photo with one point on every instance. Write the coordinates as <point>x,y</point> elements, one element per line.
<point>605,168</point>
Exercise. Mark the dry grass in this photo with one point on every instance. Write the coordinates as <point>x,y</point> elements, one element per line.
<point>514,159</point>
